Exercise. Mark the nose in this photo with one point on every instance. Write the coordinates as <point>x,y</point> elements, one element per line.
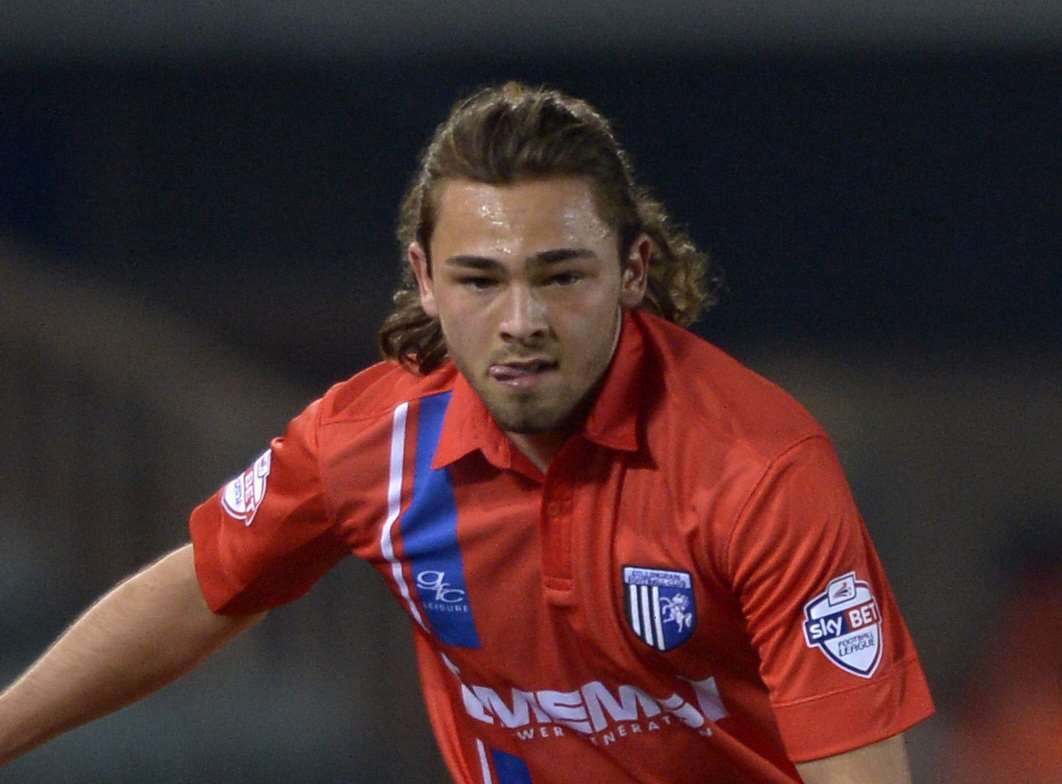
<point>523,317</point>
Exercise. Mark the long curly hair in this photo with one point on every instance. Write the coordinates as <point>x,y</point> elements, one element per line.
<point>501,135</point>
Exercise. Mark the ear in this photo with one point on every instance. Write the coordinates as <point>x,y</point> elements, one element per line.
<point>636,272</point>
<point>418,262</point>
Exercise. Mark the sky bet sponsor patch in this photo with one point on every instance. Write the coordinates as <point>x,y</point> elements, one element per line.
<point>845,624</point>
<point>243,495</point>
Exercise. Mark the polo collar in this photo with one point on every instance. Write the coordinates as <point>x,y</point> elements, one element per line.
<point>468,426</point>
<point>612,421</point>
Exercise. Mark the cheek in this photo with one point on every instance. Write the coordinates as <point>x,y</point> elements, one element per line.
<point>595,339</point>
<point>450,334</point>
<point>459,330</point>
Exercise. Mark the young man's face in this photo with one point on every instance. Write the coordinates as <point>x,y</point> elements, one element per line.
<point>527,284</point>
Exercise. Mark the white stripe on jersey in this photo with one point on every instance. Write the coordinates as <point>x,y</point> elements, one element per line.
<point>394,506</point>
<point>647,615</point>
<point>483,764</point>
<point>636,616</point>
<point>658,627</point>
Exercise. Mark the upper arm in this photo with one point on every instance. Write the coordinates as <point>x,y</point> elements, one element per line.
<point>267,535</point>
<point>173,579</point>
<point>835,655</point>
<point>884,762</point>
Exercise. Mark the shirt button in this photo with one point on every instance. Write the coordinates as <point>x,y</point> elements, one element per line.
<point>553,509</point>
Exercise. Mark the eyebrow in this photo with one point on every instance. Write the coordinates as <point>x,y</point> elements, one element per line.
<point>554,256</point>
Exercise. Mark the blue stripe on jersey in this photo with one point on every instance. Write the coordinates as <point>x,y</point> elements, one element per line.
<point>429,536</point>
<point>510,769</point>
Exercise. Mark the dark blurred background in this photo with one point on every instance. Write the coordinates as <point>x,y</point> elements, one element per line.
<point>197,206</point>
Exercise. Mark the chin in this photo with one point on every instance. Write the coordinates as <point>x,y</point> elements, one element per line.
<point>527,426</point>
<point>533,422</point>
<point>528,422</point>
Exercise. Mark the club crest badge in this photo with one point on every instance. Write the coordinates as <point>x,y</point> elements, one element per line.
<point>659,606</point>
<point>241,497</point>
<point>844,622</point>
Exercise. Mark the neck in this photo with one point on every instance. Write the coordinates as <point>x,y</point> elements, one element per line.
<point>541,448</point>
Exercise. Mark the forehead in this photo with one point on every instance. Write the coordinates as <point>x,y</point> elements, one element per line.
<point>517,218</point>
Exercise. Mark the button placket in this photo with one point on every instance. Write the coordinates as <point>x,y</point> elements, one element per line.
<point>558,505</point>
<point>556,508</point>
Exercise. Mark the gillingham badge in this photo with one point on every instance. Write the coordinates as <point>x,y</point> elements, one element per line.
<point>659,606</point>
<point>845,624</point>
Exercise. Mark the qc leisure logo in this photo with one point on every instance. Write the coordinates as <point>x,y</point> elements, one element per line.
<point>844,622</point>
<point>438,594</point>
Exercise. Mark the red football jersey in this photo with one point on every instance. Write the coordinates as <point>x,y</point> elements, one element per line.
<point>687,594</point>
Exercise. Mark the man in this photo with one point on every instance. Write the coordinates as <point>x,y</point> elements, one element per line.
<point>626,557</point>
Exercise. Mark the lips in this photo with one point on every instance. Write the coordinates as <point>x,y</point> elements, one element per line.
<point>522,372</point>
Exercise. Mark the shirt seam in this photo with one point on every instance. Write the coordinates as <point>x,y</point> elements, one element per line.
<point>739,517</point>
<point>389,411</point>
<point>330,510</point>
<point>901,668</point>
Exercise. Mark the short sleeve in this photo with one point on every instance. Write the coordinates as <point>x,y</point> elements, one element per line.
<point>266,536</point>
<point>835,654</point>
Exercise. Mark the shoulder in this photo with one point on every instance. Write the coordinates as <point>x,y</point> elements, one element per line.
<point>720,402</point>
<point>375,391</point>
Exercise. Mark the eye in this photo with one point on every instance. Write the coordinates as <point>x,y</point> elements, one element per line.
<point>564,279</point>
<point>476,282</point>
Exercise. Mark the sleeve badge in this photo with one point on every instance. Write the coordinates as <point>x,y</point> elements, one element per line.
<point>844,622</point>
<point>242,496</point>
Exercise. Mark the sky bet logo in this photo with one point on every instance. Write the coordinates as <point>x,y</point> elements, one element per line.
<point>844,623</point>
<point>241,497</point>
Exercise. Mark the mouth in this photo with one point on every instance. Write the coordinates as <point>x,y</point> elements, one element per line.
<point>521,374</point>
